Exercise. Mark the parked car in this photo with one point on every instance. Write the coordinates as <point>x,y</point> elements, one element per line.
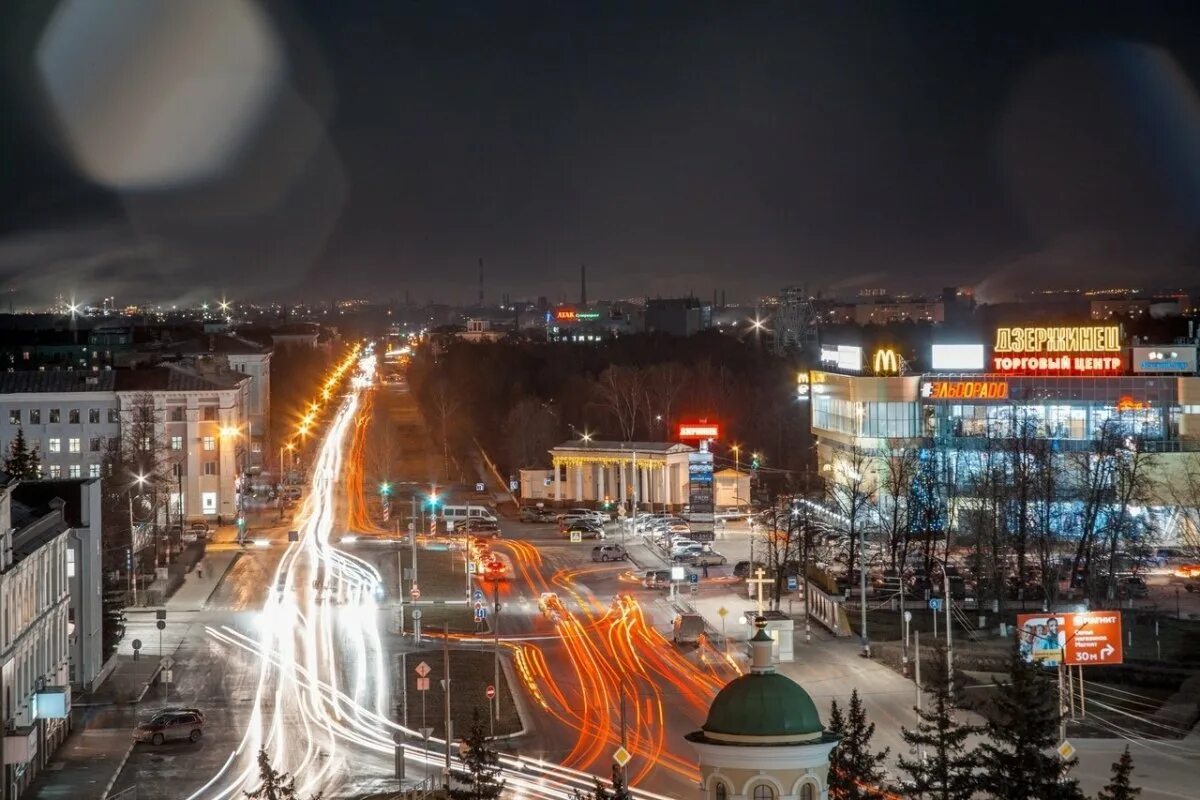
<point>609,552</point>
<point>175,724</point>
<point>685,549</point>
<point>744,569</point>
<point>480,527</point>
<point>585,531</point>
<point>710,559</point>
<point>197,531</point>
<point>536,514</point>
<point>1132,586</point>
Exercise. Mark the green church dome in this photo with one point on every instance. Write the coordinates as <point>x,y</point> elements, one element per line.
<point>764,704</point>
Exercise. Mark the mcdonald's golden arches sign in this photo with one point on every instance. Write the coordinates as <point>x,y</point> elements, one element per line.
<point>886,362</point>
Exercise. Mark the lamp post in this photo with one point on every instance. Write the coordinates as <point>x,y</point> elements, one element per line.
<point>737,477</point>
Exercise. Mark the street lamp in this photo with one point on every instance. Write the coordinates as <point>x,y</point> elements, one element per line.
<point>737,479</point>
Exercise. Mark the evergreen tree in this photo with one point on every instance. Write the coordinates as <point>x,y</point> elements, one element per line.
<point>1119,788</point>
<point>22,462</point>
<point>855,772</point>
<point>482,766</point>
<point>275,785</point>
<point>1022,730</point>
<point>944,768</point>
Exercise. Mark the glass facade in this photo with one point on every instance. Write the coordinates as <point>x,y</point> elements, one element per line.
<point>886,420</point>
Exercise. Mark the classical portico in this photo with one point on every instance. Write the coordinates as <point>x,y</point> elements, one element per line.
<point>651,474</point>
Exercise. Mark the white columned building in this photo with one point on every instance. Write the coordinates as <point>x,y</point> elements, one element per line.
<point>649,473</point>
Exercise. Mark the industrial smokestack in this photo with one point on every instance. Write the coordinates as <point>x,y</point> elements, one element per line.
<point>481,283</point>
<point>583,284</point>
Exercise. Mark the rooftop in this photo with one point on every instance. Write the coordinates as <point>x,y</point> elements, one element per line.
<point>640,447</point>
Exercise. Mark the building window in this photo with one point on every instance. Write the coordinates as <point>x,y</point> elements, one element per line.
<point>94,444</point>
<point>54,416</point>
<point>73,444</point>
<point>176,442</point>
<point>720,791</point>
<point>93,470</point>
<point>55,445</point>
<point>210,413</point>
<point>808,792</point>
<point>256,446</point>
<point>54,471</point>
<point>14,417</point>
<point>763,792</point>
<point>114,442</point>
<point>74,471</point>
<point>94,416</point>
<point>70,562</point>
<point>177,414</point>
<point>210,468</point>
<point>73,416</point>
<point>147,443</point>
<point>208,502</point>
<point>114,416</point>
<point>210,443</point>
<point>35,416</point>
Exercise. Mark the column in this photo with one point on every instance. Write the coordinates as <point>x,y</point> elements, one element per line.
<point>666,484</point>
<point>621,467</point>
<point>579,483</point>
<point>644,479</point>
<point>557,483</point>
<point>600,481</point>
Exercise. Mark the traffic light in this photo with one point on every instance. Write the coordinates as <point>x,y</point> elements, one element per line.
<point>754,462</point>
<point>385,488</point>
<point>434,500</point>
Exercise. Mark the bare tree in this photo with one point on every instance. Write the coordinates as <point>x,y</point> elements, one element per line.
<point>851,490</point>
<point>530,431</point>
<point>446,404</point>
<point>665,383</point>
<point>623,395</point>
<point>1182,487</point>
<point>900,466</point>
<point>1046,514</point>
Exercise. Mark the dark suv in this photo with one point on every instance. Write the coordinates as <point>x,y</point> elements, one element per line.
<point>609,552</point>
<point>182,723</point>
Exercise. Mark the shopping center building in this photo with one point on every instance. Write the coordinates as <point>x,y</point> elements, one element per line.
<point>1073,384</point>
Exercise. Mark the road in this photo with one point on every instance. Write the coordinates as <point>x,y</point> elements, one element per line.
<point>293,653</point>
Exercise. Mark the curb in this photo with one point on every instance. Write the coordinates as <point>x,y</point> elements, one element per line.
<point>519,700</point>
<point>117,773</point>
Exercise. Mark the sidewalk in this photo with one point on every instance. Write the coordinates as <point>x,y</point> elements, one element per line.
<point>196,590</point>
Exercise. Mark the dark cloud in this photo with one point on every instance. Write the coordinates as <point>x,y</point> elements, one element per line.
<point>684,146</point>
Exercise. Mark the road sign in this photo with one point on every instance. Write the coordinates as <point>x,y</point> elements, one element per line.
<point>514,486</point>
<point>908,616</point>
<point>416,615</point>
<point>293,536</point>
<point>160,613</point>
<point>693,577</point>
<point>491,692</point>
<point>576,537</point>
<point>160,624</point>
<point>480,614</point>
<point>722,611</point>
<point>935,604</point>
<point>137,644</point>
<point>426,732</point>
<point>168,662</point>
<point>422,685</point>
<point>1066,750</point>
<point>415,594</point>
<point>695,587</point>
<point>166,676</point>
<point>471,566</point>
<point>792,583</point>
<point>478,595</point>
<point>621,757</point>
<point>422,669</point>
<point>480,487</point>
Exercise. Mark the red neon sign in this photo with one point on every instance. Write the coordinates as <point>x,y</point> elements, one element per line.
<point>564,314</point>
<point>1056,364</point>
<point>699,430</point>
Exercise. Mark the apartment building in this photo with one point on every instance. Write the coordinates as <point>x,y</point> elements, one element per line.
<point>200,419</point>
<point>35,700</point>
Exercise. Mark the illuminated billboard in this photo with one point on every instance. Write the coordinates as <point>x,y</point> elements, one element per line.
<point>1073,639</point>
<point>1166,358</point>
<point>886,362</point>
<point>965,390</point>
<point>955,357</point>
<point>699,430</point>
<point>843,356</point>
<point>1060,339</point>
<point>1061,350</point>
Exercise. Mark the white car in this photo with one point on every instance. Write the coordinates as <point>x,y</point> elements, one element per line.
<point>685,547</point>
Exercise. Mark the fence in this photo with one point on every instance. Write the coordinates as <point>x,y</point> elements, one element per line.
<point>828,610</point>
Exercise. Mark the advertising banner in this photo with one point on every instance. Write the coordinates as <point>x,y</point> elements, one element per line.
<point>700,496</point>
<point>1071,638</point>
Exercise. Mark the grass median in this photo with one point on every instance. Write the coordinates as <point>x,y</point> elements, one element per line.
<point>471,672</point>
<point>440,577</point>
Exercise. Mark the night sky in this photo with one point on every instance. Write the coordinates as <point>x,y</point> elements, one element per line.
<point>672,147</point>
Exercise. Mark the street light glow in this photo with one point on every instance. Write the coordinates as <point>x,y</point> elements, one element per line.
<point>229,430</point>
